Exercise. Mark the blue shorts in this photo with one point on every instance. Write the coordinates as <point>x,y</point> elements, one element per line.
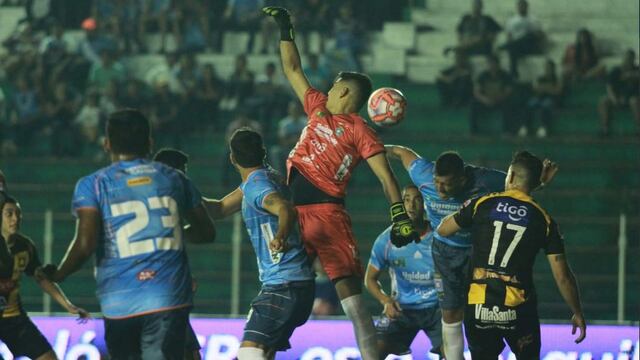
<point>451,274</point>
<point>158,335</point>
<point>398,334</point>
<point>277,311</point>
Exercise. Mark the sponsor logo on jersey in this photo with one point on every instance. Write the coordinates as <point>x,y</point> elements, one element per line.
<point>494,314</point>
<point>339,131</point>
<point>326,133</point>
<point>417,255</point>
<point>514,212</point>
<point>145,180</point>
<point>146,275</point>
<point>399,262</point>
<point>417,276</point>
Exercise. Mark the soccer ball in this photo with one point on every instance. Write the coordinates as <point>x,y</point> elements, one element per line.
<point>386,106</point>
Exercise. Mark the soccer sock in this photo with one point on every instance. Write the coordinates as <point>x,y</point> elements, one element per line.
<point>357,312</point>
<point>251,353</point>
<point>452,341</point>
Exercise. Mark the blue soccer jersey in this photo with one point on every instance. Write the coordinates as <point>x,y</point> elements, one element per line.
<point>481,181</point>
<point>141,264</point>
<point>274,268</point>
<point>410,269</point>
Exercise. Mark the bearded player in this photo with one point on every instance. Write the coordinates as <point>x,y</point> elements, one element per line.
<point>335,140</point>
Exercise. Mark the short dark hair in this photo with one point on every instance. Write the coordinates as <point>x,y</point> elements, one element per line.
<point>532,166</point>
<point>363,84</point>
<point>247,147</point>
<point>129,132</point>
<point>173,158</point>
<point>449,163</point>
<point>8,199</point>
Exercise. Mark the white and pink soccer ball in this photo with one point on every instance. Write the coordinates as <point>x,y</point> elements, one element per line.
<point>386,106</point>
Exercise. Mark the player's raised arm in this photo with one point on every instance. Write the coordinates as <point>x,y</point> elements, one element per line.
<point>291,64</point>
<point>201,228</point>
<point>402,153</point>
<point>568,286</point>
<point>287,216</point>
<point>81,248</point>
<point>230,204</point>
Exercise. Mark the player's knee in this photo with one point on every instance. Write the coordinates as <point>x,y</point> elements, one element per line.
<point>348,286</point>
<point>451,316</point>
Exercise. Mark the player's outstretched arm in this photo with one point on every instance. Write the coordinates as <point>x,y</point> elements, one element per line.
<point>201,228</point>
<point>291,63</point>
<point>275,204</point>
<point>81,248</point>
<point>568,286</point>
<point>58,295</point>
<point>380,167</point>
<point>371,282</point>
<point>230,204</point>
<point>448,226</point>
<point>402,153</point>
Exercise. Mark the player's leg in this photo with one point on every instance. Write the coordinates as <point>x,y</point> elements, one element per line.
<point>451,265</point>
<point>484,344</point>
<point>23,338</point>
<point>431,324</point>
<point>162,334</point>
<point>327,228</point>
<point>524,339</point>
<point>191,345</point>
<point>396,335</point>
<point>122,337</point>
<point>275,313</point>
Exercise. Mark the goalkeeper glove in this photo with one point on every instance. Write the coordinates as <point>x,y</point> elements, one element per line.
<point>402,232</point>
<point>283,19</point>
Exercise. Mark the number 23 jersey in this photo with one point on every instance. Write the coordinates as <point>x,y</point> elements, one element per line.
<point>141,263</point>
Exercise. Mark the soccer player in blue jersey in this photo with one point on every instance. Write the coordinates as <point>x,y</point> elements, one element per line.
<point>445,185</point>
<point>285,272</point>
<point>130,215</point>
<point>412,305</point>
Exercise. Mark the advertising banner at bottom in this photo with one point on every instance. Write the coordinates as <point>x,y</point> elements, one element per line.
<point>330,340</point>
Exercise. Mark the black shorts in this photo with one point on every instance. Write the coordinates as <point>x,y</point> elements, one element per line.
<point>488,327</point>
<point>158,335</point>
<point>398,334</point>
<point>277,311</point>
<point>22,337</point>
<point>191,340</point>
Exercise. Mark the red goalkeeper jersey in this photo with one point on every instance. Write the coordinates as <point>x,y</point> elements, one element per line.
<point>331,146</point>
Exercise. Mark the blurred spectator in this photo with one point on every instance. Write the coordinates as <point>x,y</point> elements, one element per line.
<point>166,71</point>
<point>189,75</point>
<point>317,74</point>
<point>492,92</point>
<point>192,25</point>
<point>59,113</point>
<point>239,86</point>
<point>89,118</point>
<point>311,16</point>
<point>524,36</point>
<point>581,58</point>
<point>158,13</point>
<point>244,15</point>
<point>326,301</point>
<point>109,98</point>
<point>164,113</point>
<point>270,97</point>
<point>25,119</point>
<point>289,129</point>
<point>107,70</point>
<point>134,96</point>
<point>623,89</point>
<point>476,32</point>
<point>129,18</point>
<point>94,43</point>
<point>547,90</point>
<point>348,32</point>
<point>210,92</point>
<point>242,119</point>
<point>38,12</point>
<point>454,83</point>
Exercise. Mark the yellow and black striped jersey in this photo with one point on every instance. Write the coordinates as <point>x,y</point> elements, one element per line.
<point>508,229</point>
<point>21,256</point>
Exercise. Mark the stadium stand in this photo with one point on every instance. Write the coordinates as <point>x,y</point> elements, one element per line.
<point>599,178</point>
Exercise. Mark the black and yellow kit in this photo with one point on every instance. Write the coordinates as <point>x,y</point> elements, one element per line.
<point>508,229</point>
<point>16,329</point>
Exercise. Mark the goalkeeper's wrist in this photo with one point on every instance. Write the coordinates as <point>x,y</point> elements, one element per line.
<point>286,31</point>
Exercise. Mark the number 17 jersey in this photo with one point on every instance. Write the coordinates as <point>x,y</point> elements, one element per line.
<point>141,263</point>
